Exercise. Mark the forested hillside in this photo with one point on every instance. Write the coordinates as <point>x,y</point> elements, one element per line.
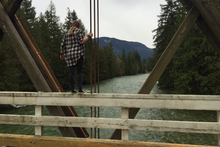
<point>48,31</point>
<point>195,68</point>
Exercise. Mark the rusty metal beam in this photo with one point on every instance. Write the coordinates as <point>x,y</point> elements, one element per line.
<point>201,22</point>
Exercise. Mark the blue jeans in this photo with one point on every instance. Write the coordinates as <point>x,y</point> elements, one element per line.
<point>79,67</point>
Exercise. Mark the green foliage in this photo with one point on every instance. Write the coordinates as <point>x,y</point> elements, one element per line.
<point>149,63</point>
<point>145,65</point>
<point>27,13</point>
<point>167,25</point>
<point>8,60</point>
<point>71,16</point>
<point>110,56</point>
<point>195,67</point>
<point>119,67</point>
<point>103,65</point>
<point>132,63</point>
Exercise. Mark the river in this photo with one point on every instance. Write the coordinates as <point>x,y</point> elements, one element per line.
<point>128,85</point>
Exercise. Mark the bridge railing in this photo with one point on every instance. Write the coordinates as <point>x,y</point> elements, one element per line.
<point>124,101</point>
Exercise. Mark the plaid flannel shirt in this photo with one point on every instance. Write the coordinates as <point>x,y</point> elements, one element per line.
<point>72,47</point>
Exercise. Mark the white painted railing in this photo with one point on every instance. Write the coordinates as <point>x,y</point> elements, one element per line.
<point>125,101</point>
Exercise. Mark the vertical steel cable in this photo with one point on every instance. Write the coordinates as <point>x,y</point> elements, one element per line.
<point>98,57</point>
<point>91,55</point>
<point>95,46</point>
<point>91,46</point>
<point>95,68</point>
<point>95,58</point>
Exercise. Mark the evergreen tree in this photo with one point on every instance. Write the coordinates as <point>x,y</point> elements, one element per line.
<point>167,25</point>
<point>145,65</point>
<point>71,16</point>
<point>110,59</point>
<point>103,65</point>
<point>43,35</point>
<point>124,60</point>
<point>137,58</point>
<point>150,63</point>
<point>10,67</point>
<point>119,67</point>
<point>53,36</point>
<point>54,27</point>
<point>28,16</point>
<point>131,64</point>
<point>196,66</point>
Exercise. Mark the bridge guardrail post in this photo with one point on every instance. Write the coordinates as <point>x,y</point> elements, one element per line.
<point>38,112</point>
<point>125,115</point>
<point>218,119</point>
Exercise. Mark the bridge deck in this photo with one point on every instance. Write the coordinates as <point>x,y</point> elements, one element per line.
<point>36,141</point>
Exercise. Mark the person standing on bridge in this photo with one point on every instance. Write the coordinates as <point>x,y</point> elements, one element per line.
<point>72,50</point>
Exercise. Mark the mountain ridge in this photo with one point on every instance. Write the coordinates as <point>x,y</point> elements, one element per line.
<point>129,46</point>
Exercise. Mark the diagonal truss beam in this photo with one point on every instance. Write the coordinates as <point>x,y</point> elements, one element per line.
<point>164,60</point>
<point>210,13</point>
<point>207,31</point>
<point>10,8</point>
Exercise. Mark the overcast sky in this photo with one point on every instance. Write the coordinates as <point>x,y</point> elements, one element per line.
<point>131,20</point>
